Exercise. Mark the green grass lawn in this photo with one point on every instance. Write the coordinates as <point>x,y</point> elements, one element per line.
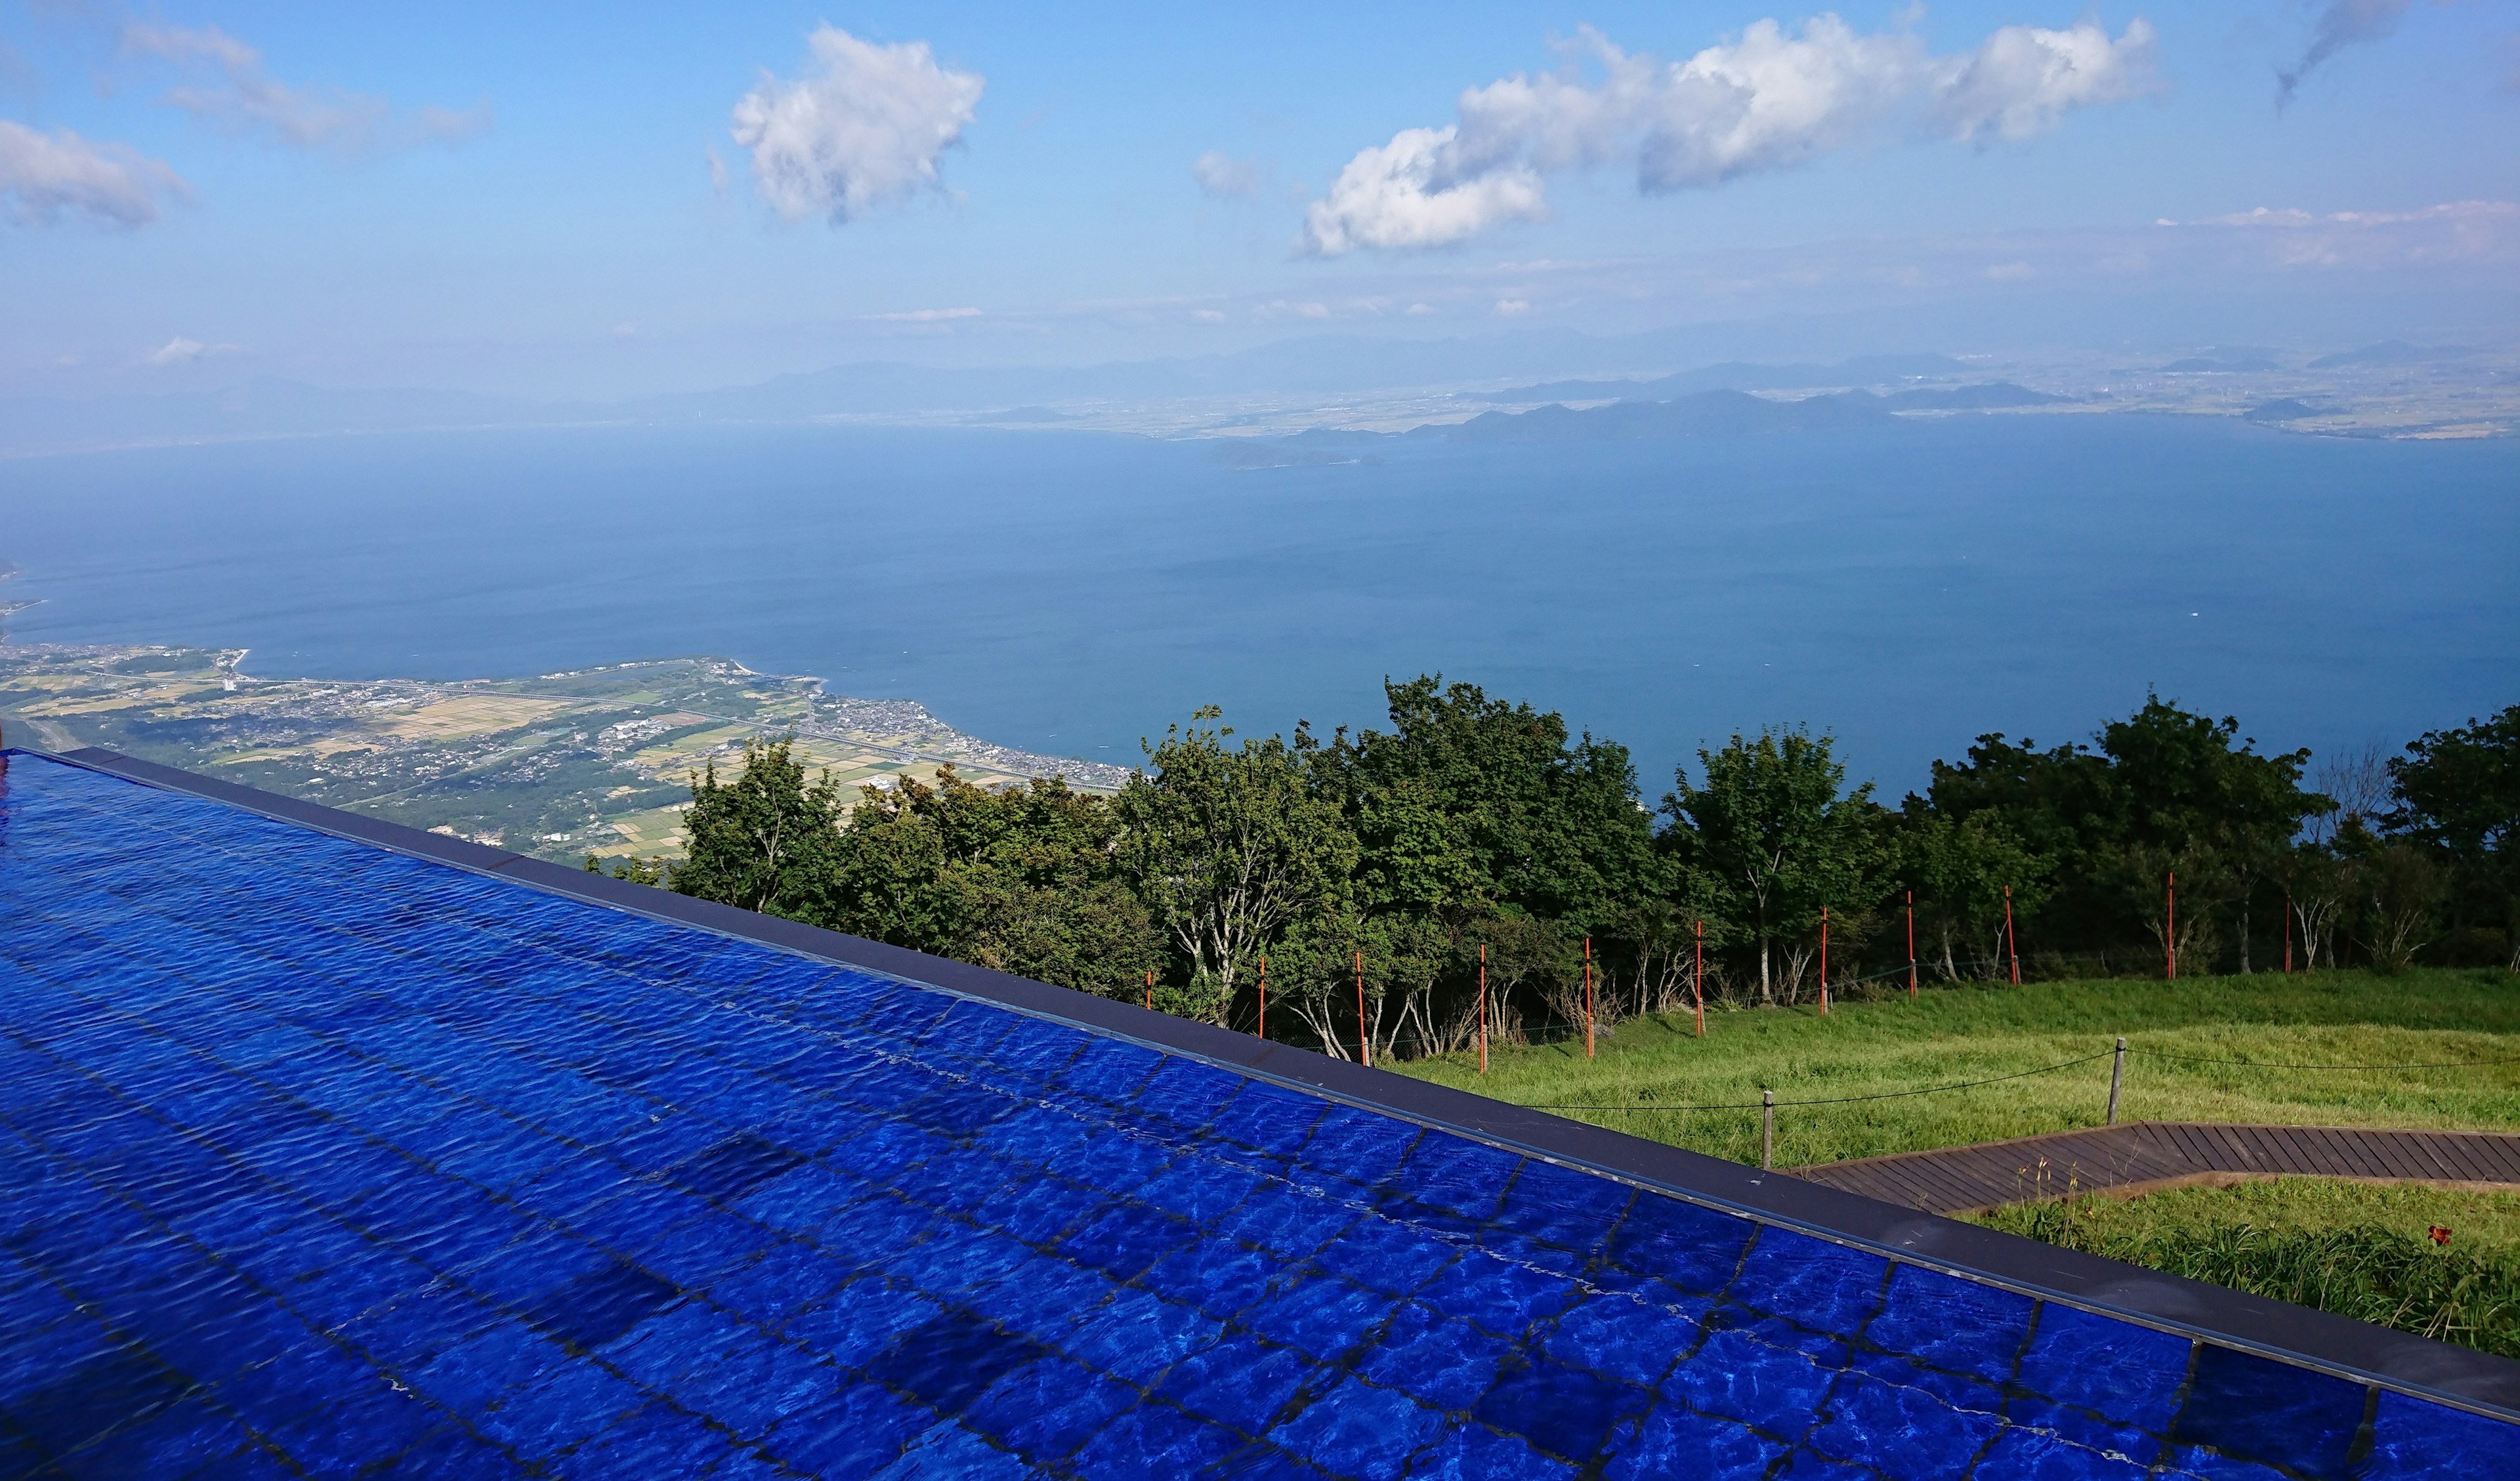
<point>2355,1249</point>
<point>1974,1032</point>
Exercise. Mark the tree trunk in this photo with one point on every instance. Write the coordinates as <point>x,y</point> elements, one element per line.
<point>2244,938</point>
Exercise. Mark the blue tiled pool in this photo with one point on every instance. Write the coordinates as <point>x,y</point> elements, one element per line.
<point>319,1158</point>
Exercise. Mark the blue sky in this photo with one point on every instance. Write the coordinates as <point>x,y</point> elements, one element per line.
<point>522,199</point>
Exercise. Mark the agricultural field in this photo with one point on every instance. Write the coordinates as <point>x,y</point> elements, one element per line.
<point>1648,1071</point>
<point>561,765</point>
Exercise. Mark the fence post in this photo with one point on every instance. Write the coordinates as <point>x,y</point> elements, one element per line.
<point>1912,943</point>
<point>1766,1129</point>
<point>1262,1032</point>
<point>1151,989</point>
<point>2287,932</point>
<point>1483,1008</point>
<point>1587,996</point>
<point>2117,1077</point>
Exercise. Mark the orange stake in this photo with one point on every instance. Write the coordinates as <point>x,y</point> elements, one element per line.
<point>1364,1037</point>
<point>1151,989</point>
<point>1823,960</point>
<point>1697,978</point>
<point>1912,943</point>
<point>1587,996</point>
<point>1483,1008</point>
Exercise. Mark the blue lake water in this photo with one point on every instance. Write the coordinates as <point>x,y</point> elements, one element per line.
<point>1906,588</point>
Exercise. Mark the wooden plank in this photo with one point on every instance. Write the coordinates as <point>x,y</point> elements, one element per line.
<point>2500,1155</point>
<point>2432,1157</point>
<point>2429,1155</point>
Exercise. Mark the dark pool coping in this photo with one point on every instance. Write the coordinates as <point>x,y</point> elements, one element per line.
<point>2296,1335</point>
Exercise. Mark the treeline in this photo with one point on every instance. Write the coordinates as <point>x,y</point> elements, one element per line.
<point>1371,879</point>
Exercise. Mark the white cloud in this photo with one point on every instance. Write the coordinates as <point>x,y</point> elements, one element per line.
<point>181,350</point>
<point>1227,178</point>
<point>2256,217</point>
<point>717,175</point>
<point>2023,79</point>
<point>1208,315</point>
<point>1408,193</point>
<point>1510,308</point>
<point>927,315</point>
<point>246,100</point>
<point>46,176</point>
<point>863,129</point>
<point>2294,217</point>
<point>1767,100</point>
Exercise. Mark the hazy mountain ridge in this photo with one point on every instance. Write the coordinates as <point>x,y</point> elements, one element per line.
<point>1741,376</point>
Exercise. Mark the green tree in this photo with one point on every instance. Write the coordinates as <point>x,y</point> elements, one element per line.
<point>1228,846</point>
<point>1024,879</point>
<point>1472,803</point>
<point>2163,783</point>
<point>1962,871</point>
<point>1770,828</point>
<point>2460,792</point>
<point>764,840</point>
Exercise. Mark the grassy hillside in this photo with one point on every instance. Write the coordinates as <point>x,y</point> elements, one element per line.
<point>1952,1034</point>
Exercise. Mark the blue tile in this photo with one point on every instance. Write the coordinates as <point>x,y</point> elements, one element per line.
<point>1237,1382</point>
<point>2131,1374</point>
<point>1360,1430</point>
<point>1694,1249</point>
<point>1154,1440</point>
<point>2254,1409</point>
<point>1908,1434</point>
<point>950,1361</point>
<point>1137,1337</point>
<point>2413,1439</point>
<point>1322,1318</point>
<point>1446,1365</point>
<point>1732,1374</point>
<point>1622,1337</point>
<point>1816,1284</point>
<point>856,1431</point>
<point>1955,1324</point>
<point>1047,1410</point>
<point>949,1450</point>
<point>1673,1442</point>
<point>1458,1176</point>
<point>1567,1412</point>
<point>1475,1452</point>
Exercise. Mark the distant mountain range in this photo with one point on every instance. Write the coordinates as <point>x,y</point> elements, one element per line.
<point>2392,352</point>
<point>1735,376</point>
<point>1706,414</point>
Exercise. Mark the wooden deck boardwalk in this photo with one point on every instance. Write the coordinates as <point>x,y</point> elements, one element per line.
<point>2145,1155</point>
